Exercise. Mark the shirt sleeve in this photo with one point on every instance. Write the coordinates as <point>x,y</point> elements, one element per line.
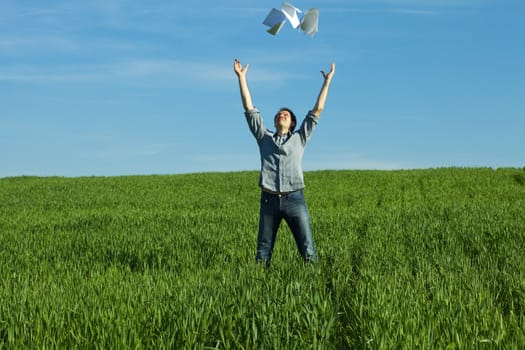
<point>308,126</point>
<point>255,123</point>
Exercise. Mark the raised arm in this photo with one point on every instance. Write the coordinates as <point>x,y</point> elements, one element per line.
<point>243,84</point>
<point>321,99</point>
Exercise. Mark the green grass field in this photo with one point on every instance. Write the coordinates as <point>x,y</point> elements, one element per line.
<point>408,259</point>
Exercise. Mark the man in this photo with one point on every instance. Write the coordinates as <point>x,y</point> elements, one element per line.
<point>281,176</point>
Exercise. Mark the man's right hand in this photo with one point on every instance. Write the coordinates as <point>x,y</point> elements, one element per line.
<point>239,69</point>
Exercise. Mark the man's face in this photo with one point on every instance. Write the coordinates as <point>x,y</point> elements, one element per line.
<point>283,120</point>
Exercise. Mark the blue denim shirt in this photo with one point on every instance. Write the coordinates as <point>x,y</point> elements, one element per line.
<point>281,165</point>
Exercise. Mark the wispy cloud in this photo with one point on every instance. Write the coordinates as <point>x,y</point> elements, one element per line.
<point>351,161</point>
<point>135,69</point>
<point>49,74</point>
<point>407,11</point>
<point>198,71</point>
<point>201,71</point>
<point>355,164</point>
<point>126,151</point>
<point>406,7</point>
<point>437,3</point>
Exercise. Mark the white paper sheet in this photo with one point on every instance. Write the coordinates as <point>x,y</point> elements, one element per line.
<point>292,14</point>
<point>310,22</point>
<point>275,19</point>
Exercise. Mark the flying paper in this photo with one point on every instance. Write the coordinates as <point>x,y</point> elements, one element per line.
<point>292,14</point>
<point>276,18</point>
<point>310,22</point>
<point>276,28</point>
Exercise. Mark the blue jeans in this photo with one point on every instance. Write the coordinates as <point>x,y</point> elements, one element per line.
<point>292,208</point>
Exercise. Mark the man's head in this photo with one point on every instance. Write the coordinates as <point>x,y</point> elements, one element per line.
<point>285,120</point>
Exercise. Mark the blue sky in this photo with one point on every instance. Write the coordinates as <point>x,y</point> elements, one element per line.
<point>115,87</point>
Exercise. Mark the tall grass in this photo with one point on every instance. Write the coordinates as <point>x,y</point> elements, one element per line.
<point>408,259</point>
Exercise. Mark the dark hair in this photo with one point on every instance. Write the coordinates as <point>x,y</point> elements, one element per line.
<point>294,119</point>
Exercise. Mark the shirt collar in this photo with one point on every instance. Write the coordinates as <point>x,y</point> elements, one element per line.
<point>276,134</point>
<point>281,139</point>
